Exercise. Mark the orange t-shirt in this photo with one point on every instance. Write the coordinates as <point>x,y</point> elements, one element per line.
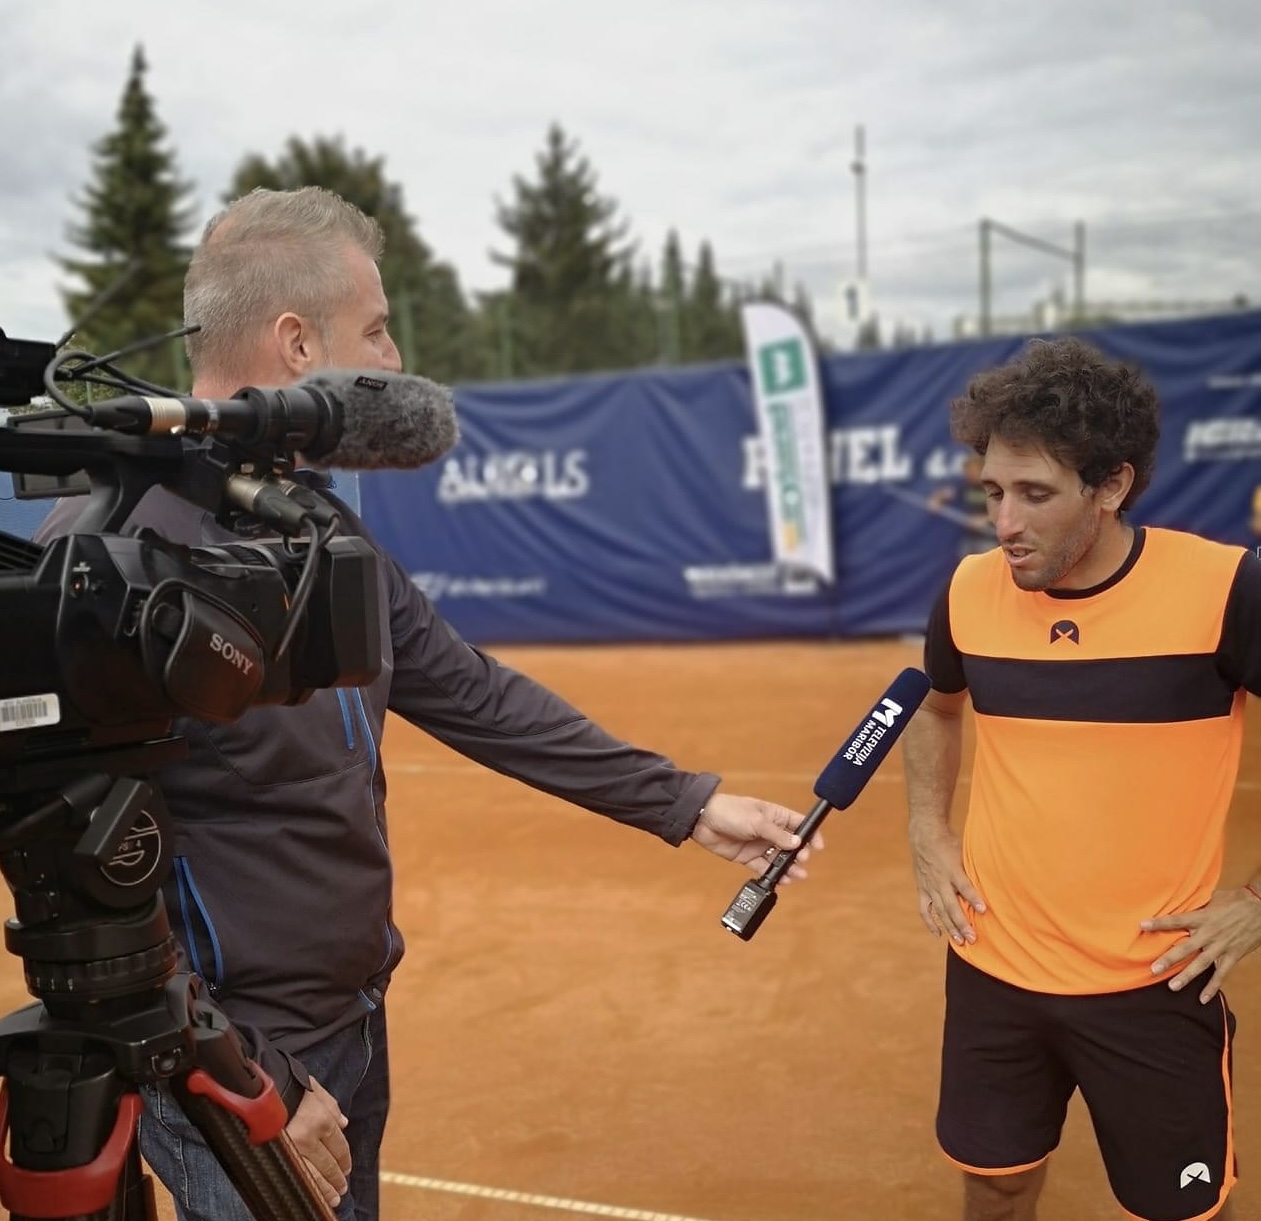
<point>1108,743</point>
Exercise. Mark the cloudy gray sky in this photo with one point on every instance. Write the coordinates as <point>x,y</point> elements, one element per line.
<point>731,120</point>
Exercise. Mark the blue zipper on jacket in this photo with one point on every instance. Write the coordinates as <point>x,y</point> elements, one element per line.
<point>372,753</point>
<point>347,723</point>
<point>188,889</point>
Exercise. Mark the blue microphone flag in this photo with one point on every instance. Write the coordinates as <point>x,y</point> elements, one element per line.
<point>840,783</point>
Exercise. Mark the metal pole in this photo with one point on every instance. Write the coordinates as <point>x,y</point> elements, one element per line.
<point>407,330</point>
<point>676,326</point>
<point>179,362</point>
<point>505,337</point>
<point>1076,256</point>
<point>1079,272</point>
<point>986,290</point>
<point>860,187</point>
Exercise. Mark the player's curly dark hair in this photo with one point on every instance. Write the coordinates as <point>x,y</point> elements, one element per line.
<point>1087,412</point>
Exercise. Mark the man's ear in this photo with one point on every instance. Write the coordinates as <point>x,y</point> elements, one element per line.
<point>295,342</point>
<point>1116,487</point>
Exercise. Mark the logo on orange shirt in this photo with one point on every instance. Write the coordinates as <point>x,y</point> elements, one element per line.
<point>1065,629</point>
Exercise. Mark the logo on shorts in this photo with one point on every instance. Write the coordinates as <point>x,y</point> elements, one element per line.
<point>1196,1172</point>
<point>1065,629</point>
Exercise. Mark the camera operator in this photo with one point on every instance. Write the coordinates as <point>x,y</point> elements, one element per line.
<point>280,894</point>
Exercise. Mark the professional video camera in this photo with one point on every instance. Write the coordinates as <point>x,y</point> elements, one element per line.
<point>110,636</point>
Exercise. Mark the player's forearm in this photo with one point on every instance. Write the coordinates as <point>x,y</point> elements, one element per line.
<point>932,748</point>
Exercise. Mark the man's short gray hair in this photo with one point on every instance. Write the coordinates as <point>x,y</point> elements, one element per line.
<point>266,254</point>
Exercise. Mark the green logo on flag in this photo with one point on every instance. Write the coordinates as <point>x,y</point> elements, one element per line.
<point>783,366</point>
<point>792,506</point>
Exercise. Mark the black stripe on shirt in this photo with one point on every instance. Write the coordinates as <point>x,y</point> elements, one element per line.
<point>1124,690</point>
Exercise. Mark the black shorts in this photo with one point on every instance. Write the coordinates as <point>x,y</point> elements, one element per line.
<point>1153,1066</point>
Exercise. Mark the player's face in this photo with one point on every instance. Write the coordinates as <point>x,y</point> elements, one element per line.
<point>358,333</point>
<point>1048,522</point>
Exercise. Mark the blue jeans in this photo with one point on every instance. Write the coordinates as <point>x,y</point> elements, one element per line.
<point>353,1065</point>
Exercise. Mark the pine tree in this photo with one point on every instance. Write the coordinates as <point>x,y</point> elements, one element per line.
<point>644,309</point>
<point>867,338</point>
<point>493,325</point>
<point>672,303</point>
<point>713,322</point>
<point>568,259</point>
<point>904,336</point>
<point>803,306</point>
<point>430,317</point>
<point>136,217</point>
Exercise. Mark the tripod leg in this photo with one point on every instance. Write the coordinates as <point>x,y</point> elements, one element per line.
<point>136,1190</point>
<point>235,1106</point>
<point>238,1112</point>
<point>109,1185</point>
<point>70,1120</point>
<point>269,1174</point>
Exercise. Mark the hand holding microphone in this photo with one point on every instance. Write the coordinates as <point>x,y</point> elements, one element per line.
<point>837,787</point>
<point>734,827</point>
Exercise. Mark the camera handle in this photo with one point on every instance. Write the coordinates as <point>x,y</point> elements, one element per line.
<point>113,1014</point>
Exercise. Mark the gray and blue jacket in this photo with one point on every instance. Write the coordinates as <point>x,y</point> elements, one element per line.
<point>281,889</point>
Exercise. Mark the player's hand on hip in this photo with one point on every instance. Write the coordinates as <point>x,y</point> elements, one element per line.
<point>750,832</point>
<point>937,858</point>
<point>316,1129</point>
<point>1220,933</point>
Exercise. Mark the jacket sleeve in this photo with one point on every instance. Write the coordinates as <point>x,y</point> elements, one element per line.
<point>287,1074</point>
<point>515,726</point>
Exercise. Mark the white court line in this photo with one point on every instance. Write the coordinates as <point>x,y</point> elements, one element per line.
<point>535,1201</point>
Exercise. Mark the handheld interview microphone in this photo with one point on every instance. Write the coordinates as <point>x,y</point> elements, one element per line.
<point>837,787</point>
<point>360,420</point>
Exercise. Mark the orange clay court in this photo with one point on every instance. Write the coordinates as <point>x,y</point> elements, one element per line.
<point>573,1034</point>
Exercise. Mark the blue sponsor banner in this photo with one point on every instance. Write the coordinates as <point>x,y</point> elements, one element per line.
<point>594,508</point>
<point>632,506</point>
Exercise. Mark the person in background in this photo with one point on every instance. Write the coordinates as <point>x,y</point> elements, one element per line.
<point>966,497</point>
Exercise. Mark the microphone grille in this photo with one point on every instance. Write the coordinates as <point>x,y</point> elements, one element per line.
<point>389,421</point>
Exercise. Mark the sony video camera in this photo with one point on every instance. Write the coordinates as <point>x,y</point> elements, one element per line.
<point>109,636</point>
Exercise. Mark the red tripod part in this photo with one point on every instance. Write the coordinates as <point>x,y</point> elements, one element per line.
<point>264,1117</point>
<point>77,1190</point>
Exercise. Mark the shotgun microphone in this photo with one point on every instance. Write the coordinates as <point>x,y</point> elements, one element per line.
<point>837,787</point>
<point>357,420</point>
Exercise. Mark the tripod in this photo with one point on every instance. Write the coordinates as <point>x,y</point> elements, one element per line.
<point>84,846</point>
